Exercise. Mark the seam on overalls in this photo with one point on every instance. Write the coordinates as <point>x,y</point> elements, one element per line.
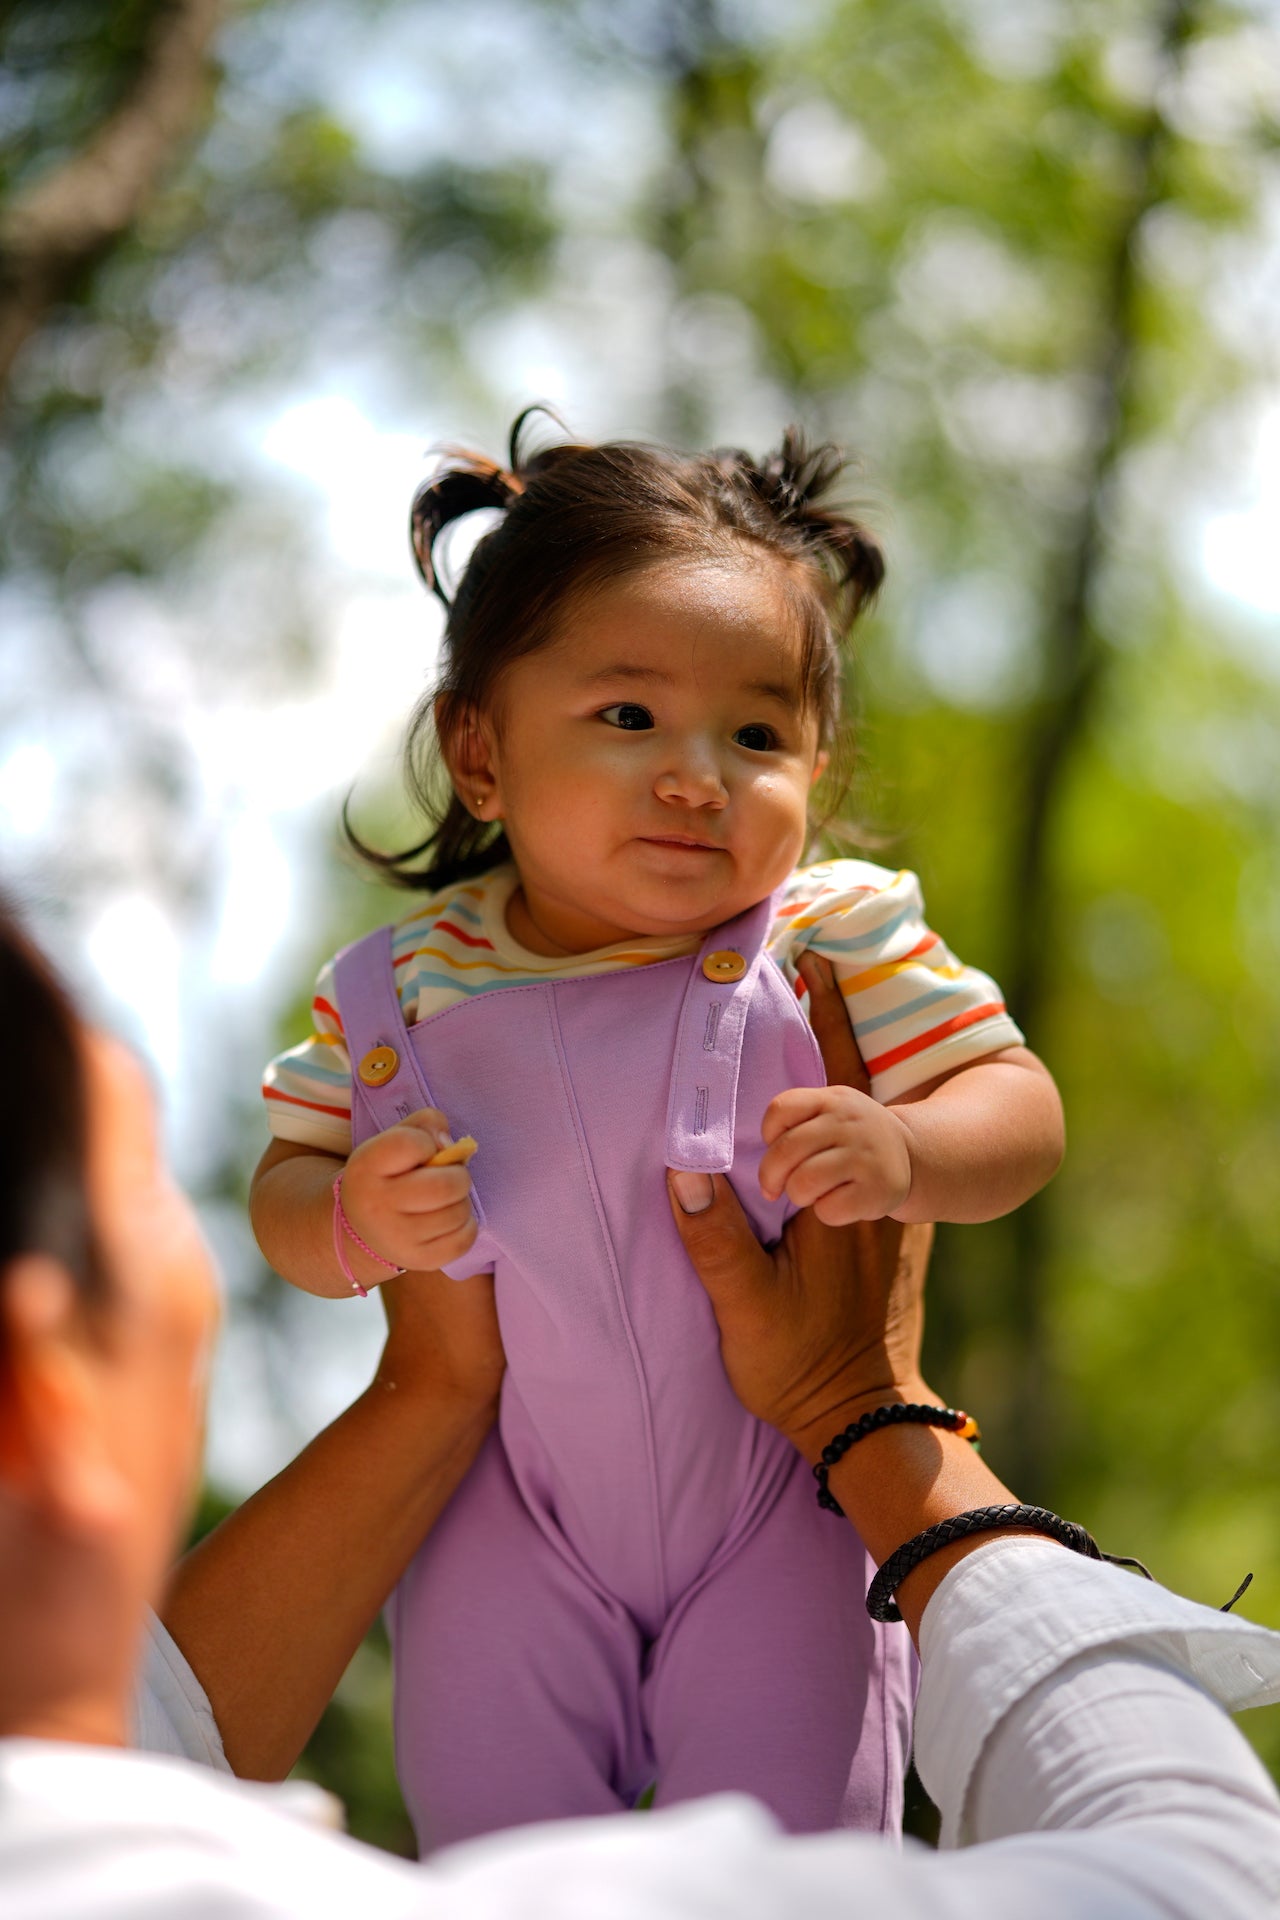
<point>642,1383</point>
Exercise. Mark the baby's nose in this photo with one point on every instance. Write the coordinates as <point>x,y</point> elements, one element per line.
<point>694,777</point>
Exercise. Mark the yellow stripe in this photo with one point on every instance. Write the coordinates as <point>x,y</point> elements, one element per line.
<point>452,961</point>
<point>859,982</point>
<point>327,1040</point>
<point>839,913</point>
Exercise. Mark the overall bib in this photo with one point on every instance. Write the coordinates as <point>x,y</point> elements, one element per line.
<point>635,1582</point>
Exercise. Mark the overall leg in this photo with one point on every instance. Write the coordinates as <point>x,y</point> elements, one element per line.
<point>516,1682</point>
<point>769,1678</point>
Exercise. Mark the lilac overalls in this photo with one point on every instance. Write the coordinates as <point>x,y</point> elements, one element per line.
<point>635,1582</point>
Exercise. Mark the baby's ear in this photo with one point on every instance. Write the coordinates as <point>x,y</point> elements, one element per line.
<point>466,746</point>
<point>820,766</point>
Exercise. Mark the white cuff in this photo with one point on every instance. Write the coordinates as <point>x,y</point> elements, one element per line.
<point>1017,1609</point>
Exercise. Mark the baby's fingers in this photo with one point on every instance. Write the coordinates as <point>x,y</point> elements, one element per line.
<point>434,1239</point>
<point>431,1189</point>
<point>411,1144</point>
<point>790,1151</point>
<point>791,1109</point>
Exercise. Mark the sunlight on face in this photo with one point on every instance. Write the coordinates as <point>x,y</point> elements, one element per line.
<point>653,764</point>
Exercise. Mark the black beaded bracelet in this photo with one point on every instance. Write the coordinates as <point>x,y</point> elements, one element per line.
<point>1019,1519</point>
<point>896,1413</point>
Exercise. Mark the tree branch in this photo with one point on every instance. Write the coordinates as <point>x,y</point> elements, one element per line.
<point>67,218</point>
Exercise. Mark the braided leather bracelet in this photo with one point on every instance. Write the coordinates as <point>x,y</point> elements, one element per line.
<point>1018,1519</point>
<point>896,1413</point>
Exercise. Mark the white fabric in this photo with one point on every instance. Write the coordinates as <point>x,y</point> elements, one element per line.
<point>1125,1793</point>
<point>171,1711</point>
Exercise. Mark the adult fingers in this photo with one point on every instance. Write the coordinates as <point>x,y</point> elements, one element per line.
<point>829,1018</point>
<point>727,1258</point>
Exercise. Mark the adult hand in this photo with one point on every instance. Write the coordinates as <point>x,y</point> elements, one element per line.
<point>828,1324</point>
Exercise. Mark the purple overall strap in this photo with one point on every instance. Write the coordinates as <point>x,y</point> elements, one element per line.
<point>708,1053</point>
<point>369,1007</point>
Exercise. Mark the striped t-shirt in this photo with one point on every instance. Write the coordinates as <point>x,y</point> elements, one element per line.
<point>916,1010</point>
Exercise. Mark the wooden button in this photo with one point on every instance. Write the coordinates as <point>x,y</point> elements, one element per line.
<point>378,1066</point>
<point>724,967</point>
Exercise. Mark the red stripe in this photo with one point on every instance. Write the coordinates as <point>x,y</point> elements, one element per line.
<point>467,939</point>
<point>290,1099</point>
<point>957,1022</point>
<point>446,926</point>
<point>324,1006</point>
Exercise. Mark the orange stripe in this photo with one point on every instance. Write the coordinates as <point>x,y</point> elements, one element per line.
<point>324,1006</point>
<point>452,961</point>
<point>292,1100</point>
<point>859,982</point>
<point>923,1040</point>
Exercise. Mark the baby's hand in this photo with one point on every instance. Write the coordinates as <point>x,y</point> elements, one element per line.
<point>837,1151</point>
<point>412,1213</point>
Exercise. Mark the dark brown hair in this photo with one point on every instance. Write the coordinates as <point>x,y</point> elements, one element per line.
<point>575,517</point>
<point>44,1204</point>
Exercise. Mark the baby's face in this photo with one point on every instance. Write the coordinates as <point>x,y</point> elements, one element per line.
<point>653,764</point>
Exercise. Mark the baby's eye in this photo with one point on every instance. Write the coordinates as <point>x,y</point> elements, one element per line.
<point>630,718</point>
<point>757,739</point>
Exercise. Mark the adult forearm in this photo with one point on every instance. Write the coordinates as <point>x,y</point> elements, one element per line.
<point>270,1607</point>
<point>902,1479</point>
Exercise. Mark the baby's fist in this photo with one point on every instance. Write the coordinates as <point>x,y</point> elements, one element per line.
<point>400,1197</point>
<point>837,1151</point>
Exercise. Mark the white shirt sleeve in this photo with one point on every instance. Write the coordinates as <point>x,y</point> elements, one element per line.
<point>171,1711</point>
<point>917,1011</point>
<point>1069,1723</point>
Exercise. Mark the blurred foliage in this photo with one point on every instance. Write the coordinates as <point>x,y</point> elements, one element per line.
<point>1004,252</point>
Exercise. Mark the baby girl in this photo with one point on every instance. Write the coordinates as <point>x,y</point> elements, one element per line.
<point>640,690</point>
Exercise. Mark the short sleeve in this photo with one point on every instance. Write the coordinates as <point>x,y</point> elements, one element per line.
<point>170,1710</point>
<point>917,1011</point>
<point>307,1090</point>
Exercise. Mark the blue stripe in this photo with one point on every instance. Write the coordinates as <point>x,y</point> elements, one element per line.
<point>823,941</point>
<point>904,1013</point>
<point>414,986</point>
<point>311,1070</point>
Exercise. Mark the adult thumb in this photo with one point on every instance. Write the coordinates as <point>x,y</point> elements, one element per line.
<point>718,1238</point>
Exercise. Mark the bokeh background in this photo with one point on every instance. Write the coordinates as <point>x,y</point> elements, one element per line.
<point>1022,257</point>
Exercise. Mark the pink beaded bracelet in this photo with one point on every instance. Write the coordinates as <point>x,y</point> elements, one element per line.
<point>341,1225</point>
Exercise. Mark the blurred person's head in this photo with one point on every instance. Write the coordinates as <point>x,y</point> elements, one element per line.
<point>721,589</point>
<point>106,1311</point>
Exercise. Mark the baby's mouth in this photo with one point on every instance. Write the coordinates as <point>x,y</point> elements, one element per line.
<point>682,840</point>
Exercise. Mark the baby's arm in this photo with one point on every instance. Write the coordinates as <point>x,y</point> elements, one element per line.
<point>969,1145</point>
<point>415,1215</point>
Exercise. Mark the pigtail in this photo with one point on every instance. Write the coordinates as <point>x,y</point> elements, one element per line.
<point>789,485</point>
<point>468,486</point>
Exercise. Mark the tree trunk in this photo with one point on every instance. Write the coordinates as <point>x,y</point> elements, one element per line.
<point>1075,669</point>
